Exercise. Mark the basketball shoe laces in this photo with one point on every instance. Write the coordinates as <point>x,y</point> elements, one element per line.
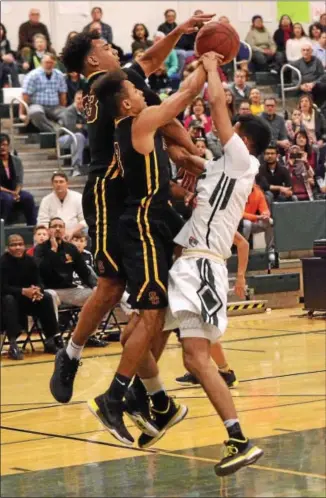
<point>68,370</point>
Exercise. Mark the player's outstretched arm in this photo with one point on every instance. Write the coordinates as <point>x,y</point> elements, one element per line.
<point>156,55</point>
<point>152,118</point>
<point>216,98</point>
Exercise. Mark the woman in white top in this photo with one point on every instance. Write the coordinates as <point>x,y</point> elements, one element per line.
<point>294,45</point>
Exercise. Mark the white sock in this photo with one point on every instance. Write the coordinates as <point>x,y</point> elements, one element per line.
<point>74,351</point>
<point>153,385</point>
<point>230,422</point>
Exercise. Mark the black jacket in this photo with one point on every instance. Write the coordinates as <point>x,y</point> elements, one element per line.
<point>57,268</point>
<point>18,273</point>
<point>281,176</point>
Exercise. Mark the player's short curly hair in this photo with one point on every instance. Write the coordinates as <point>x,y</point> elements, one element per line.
<point>77,49</point>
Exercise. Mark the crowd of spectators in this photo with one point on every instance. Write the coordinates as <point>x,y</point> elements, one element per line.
<point>292,167</point>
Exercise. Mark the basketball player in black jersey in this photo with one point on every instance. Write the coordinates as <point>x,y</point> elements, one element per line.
<point>103,196</point>
<point>146,232</point>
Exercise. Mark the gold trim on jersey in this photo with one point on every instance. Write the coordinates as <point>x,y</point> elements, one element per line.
<point>118,120</point>
<point>105,228</point>
<point>110,168</point>
<point>97,211</point>
<point>143,209</point>
<point>95,72</point>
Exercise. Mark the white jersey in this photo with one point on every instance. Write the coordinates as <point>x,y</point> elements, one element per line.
<point>223,190</point>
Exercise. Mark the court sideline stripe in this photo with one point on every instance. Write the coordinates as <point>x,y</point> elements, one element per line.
<point>166,453</point>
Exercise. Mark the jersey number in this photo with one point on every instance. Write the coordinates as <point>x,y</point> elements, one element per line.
<point>90,103</point>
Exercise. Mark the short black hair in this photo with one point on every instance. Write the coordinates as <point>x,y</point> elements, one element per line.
<point>270,98</point>
<point>169,10</point>
<point>4,138</point>
<point>56,218</point>
<point>61,174</point>
<point>4,30</point>
<point>12,236</point>
<point>272,145</point>
<point>134,31</point>
<point>108,89</point>
<point>257,130</point>
<point>77,49</point>
<point>97,8</point>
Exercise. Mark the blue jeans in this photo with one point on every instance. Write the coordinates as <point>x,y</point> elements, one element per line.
<point>26,203</point>
<point>76,153</point>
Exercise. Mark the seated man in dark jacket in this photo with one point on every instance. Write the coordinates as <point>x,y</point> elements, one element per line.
<point>277,176</point>
<point>21,295</point>
<point>58,260</point>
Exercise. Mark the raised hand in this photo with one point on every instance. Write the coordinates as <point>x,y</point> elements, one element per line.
<point>192,25</point>
<point>211,60</point>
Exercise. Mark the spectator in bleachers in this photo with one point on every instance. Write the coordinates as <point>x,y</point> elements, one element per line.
<point>239,88</point>
<point>319,50</point>
<point>167,75</point>
<point>301,139</point>
<point>65,203</point>
<point>276,124</point>
<point>214,143</point>
<point>257,219</point>
<point>136,56</point>
<point>22,294</point>
<point>315,31</point>
<point>45,91</point>
<point>322,21</point>
<point>80,240</point>
<point>75,121</point>
<point>106,29</point>
<point>169,24</point>
<point>28,29</point>
<point>256,105</point>
<point>198,112</point>
<point>8,57</point>
<point>58,260</point>
<point>302,174</point>
<point>204,152</point>
<point>295,43</point>
<point>243,110</point>
<point>230,101</point>
<point>224,20</point>
<point>75,83</point>
<point>196,129</point>
<point>313,121</point>
<point>140,36</point>
<point>276,175</point>
<point>312,73</point>
<point>294,124</point>
<point>281,36</point>
<point>11,185</point>
<point>40,48</point>
<point>264,57</point>
<point>41,234</point>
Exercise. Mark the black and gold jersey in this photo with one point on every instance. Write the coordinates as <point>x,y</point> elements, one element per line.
<point>146,177</point>
<point>101,124</point>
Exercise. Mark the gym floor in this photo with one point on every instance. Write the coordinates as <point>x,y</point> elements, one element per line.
<point>49,449</point>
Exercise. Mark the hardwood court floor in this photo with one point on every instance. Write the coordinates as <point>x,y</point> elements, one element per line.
<point>52,450</point>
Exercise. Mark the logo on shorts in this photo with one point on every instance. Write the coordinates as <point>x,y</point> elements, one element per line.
<point>154,298</point>
<point>193,242</point>
<point>100,266</point>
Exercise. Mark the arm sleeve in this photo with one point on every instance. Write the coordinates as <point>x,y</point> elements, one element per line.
<point>287,178</point>
<point>19,171</point>
<point>250,217</point>
<point>6,288</point>
<point>137,76</point>
<point>29,84</point>
<point>262,205</point>
<point>62,84</point>
<point>282,134</point>
<point>43,216</point>
<point>80,214</point>
<point>173,60</point>
<point>320,71</point>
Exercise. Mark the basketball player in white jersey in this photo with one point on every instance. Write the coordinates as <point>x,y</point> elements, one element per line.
<point>198,283</point>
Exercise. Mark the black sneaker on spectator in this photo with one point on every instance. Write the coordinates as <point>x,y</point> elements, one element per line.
<point>229,378</point>
<point>93,342</point>
<point>15,353</point>
<point>187,380</point>
<point>62,380</point>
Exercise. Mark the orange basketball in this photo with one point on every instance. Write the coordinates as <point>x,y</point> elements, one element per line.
<point>220,38</point>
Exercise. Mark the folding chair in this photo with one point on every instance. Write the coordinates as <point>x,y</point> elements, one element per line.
<point>68,318</point>
<point>113,325</point>
<point>35,329</point>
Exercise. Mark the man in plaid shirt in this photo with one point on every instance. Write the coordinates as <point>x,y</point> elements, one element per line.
<point>45,91</point>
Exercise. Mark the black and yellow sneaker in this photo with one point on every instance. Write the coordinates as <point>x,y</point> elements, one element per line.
<point>187,380</point>
<point>110,414</point>
<point>229,378</point>
<point>138,410</point>
<point>238,454</point>
<point>163,420</point>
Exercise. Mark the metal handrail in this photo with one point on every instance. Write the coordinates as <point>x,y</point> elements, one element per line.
<point>289,88</point>
<point>14,125</point>
<point>236,63</point>
<point>74,139</point>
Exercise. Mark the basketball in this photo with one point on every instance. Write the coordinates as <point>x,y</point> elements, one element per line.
<point>220,38</point>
